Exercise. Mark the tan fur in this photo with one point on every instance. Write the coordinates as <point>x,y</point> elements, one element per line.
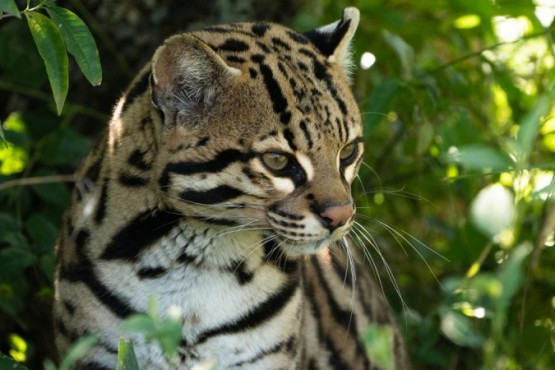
<point>177,201</point>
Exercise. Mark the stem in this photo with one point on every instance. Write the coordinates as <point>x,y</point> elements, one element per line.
<point>546,31</point>
<point>36,181</point>
<point>11,87</point>
<point>4,16</point>
<point>477,265</point>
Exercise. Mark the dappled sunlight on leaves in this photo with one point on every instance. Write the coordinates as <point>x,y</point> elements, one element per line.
<point>13,156</point>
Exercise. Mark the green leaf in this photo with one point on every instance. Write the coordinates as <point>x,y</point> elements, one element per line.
<point>8,225</point>
<point>425,137</point>
<point>480,157</point>
<point>530,125</point>
<point>169,336</point>
<point>380,103</point>
<point>165,330</point>
<point>483,8</point>
<point>126,356</point>
<point>64,147</point>
<point>458,328</point>
<point>49,365</point>
<point>16,50</point>
<point>139,323</point>
<point>9,6</point>
<point>76,351</point>
<point>15,254</point>
<point>8,363</point>
<point>511,274</point>
<point>42,231</point>
<point>55,193</point>
<point>14,260</point>
<point>404,52</point>
<point>79,41</point>
<point>47,264</point>
<point>378,341</point>
<point>53,52</point>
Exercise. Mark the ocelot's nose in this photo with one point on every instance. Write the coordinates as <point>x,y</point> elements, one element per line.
<point>334,216</point>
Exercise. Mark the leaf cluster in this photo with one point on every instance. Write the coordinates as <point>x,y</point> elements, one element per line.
<point>57,33</point>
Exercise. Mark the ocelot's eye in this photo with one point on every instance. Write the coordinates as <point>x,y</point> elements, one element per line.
<point>348,153</point>
<point>275,161</point>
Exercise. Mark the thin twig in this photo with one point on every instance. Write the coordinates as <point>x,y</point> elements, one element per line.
<point>33,93</point>
<point>440,68</point>
<point>39,180</point>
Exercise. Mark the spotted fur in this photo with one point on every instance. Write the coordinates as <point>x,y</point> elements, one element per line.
<point>222,187</point>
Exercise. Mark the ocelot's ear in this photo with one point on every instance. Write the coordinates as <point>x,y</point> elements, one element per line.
<point>333,40</point>
<point>187,77</point>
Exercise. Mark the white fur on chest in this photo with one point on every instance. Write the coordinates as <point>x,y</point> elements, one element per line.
<point>207,292</point>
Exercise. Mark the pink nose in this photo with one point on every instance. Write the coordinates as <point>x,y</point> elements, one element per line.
<point>336,216</point>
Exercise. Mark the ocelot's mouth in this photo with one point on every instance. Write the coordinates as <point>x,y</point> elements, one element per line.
<point>306,234</point>
<point>301,237</point>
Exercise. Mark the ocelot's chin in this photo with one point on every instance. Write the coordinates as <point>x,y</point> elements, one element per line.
<point>313,244</point>
<point>296,248</point>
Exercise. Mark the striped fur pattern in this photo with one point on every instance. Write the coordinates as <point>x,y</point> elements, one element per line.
<point>222,187</point>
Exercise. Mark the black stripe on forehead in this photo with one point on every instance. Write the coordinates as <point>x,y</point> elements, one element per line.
<point>321,73</point>
<point>346,127</point>
<point>234,45</point>
<point>260,29</point>
<point>342,134</point>
<point>290,137</point>
<point>320,70</point>
<point>279,102</point>
<point>306,133</point>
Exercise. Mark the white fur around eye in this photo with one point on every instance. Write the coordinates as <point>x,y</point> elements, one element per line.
<point>283,184</point>
<point>306,163</point>
<point>350,172</point>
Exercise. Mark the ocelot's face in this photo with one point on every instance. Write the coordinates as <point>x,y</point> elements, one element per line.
<point>310,178</point>
<point>315,206</point>
<point>290,182</point>
<point>277,155</point>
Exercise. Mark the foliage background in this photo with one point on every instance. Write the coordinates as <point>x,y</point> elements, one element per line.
<point>460,152</point>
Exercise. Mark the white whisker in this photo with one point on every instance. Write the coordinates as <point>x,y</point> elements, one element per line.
<point>403,237</point>
<point>350,265</point>
<point>369,257</point>
<point>370,239</point>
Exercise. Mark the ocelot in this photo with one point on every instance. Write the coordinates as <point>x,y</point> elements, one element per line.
<point>222,188</point>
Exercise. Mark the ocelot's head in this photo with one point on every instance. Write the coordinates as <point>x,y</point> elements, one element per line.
<point>261,129</point>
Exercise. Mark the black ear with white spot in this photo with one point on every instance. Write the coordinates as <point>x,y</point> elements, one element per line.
<point>333,40</point>
<point>187,77</point>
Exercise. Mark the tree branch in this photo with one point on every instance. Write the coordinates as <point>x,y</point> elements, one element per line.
<point>39,180</point>
<point>491,47</point>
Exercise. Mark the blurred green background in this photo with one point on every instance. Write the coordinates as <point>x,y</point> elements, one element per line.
<point>457,188</point>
